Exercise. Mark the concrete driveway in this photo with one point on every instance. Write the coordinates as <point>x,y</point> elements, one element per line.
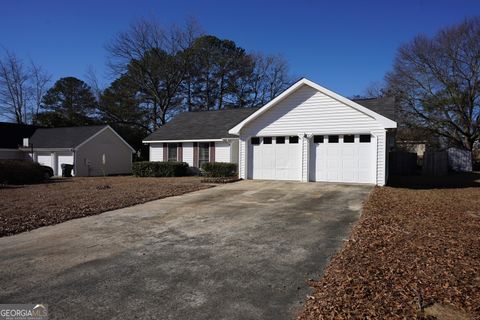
<point>238,251</point>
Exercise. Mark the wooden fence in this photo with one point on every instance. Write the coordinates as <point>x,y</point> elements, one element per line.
<point>435,163</point>
<point>402,163</point>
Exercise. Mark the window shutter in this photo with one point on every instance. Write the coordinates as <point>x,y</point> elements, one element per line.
<point>180,152</point>
<point>212,151</point>
<point>195,154</point>
<point>165,152</point>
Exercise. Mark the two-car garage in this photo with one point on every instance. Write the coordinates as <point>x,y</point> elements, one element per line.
<point>333,158</point>
<point>54,160</point>
<point>309,133</point>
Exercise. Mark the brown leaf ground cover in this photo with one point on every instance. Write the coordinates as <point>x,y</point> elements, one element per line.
<point>28,207</point>
<point>417,244</point>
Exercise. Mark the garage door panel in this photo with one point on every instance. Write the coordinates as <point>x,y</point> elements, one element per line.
<point>257,162</point>
<point>365,165</point>
<point>276,161</point>
<point>45,159</point>
<point>349,163</point>
<point>342,162</point>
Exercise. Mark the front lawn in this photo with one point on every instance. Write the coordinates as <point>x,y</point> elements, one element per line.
<point>415,253</point>
<point>28,207</point>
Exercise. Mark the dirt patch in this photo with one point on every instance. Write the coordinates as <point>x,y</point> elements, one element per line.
<point>28,207</point>
<point>412,249</point>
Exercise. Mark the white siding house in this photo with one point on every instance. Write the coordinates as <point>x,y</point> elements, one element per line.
<point>198,137</point>
<point>156,152</point>
<point>307,133</point>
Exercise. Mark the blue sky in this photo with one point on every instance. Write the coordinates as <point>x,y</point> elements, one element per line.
<point>342,45</point>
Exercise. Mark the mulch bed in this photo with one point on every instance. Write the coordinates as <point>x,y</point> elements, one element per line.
<point>219,180</point>
<point>412,249</point>
<point>28,207</point>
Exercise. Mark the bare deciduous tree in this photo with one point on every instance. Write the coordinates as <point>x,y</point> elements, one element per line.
<point>21,88</point>
<point>437,81</point>
<point>151,56</point>
<point>14,90</point>
<point>270,78</point>
<point>93,82</point>
<point>375,89</point>
<point>39,81</point>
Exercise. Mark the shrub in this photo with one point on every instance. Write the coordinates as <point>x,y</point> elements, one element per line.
<point>159,169</point>
<point>219,169</point>
<point>20,172</point>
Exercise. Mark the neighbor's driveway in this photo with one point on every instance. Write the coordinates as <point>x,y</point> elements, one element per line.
<point>238,251</point>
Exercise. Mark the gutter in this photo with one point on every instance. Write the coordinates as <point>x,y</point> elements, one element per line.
<point>47,149</point>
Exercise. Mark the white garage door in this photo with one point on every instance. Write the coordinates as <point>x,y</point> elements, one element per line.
<point>66,158</point>
<point>275,158</point>
<point>342,158</point>
<point>45,159</point>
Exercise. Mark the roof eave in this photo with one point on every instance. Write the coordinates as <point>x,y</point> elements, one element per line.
<point>182,140</point>
<point>45,149</point>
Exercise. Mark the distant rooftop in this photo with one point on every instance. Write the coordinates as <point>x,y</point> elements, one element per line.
<point>63,137</point>
<point>384,106</point>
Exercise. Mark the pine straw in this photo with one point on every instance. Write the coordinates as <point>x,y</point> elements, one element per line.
<point>410,249</point>
<point>24,208</point>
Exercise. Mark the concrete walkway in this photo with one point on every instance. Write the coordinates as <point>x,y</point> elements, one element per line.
<point>238,251</point>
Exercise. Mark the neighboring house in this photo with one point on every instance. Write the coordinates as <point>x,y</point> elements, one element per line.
<point>83,147</point>
<point>11,138</point>
<point>307,133</point>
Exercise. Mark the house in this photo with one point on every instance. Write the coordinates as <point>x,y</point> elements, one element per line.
<point>92,150</point>
<point>307,133</point>
<point>11,138</point>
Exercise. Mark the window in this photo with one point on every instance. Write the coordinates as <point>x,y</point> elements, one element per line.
<point>280,140</point>
<point>364,138</point>
<point>172,152</point>
<point>293,139</point>
<point>267,140</point>
<point>203,153</point>
<point>333,139</point>
<point>317,139</point>
<point>255,140</point>
<point>348,138</point>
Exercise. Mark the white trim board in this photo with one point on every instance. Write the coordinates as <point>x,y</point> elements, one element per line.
<point>175,141</point>
<point>385,122</point>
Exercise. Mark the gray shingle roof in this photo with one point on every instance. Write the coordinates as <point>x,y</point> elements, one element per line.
<point>384,106</point>
<point>201,125</point>
<point>65,137</point>
<point>215,124</point>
